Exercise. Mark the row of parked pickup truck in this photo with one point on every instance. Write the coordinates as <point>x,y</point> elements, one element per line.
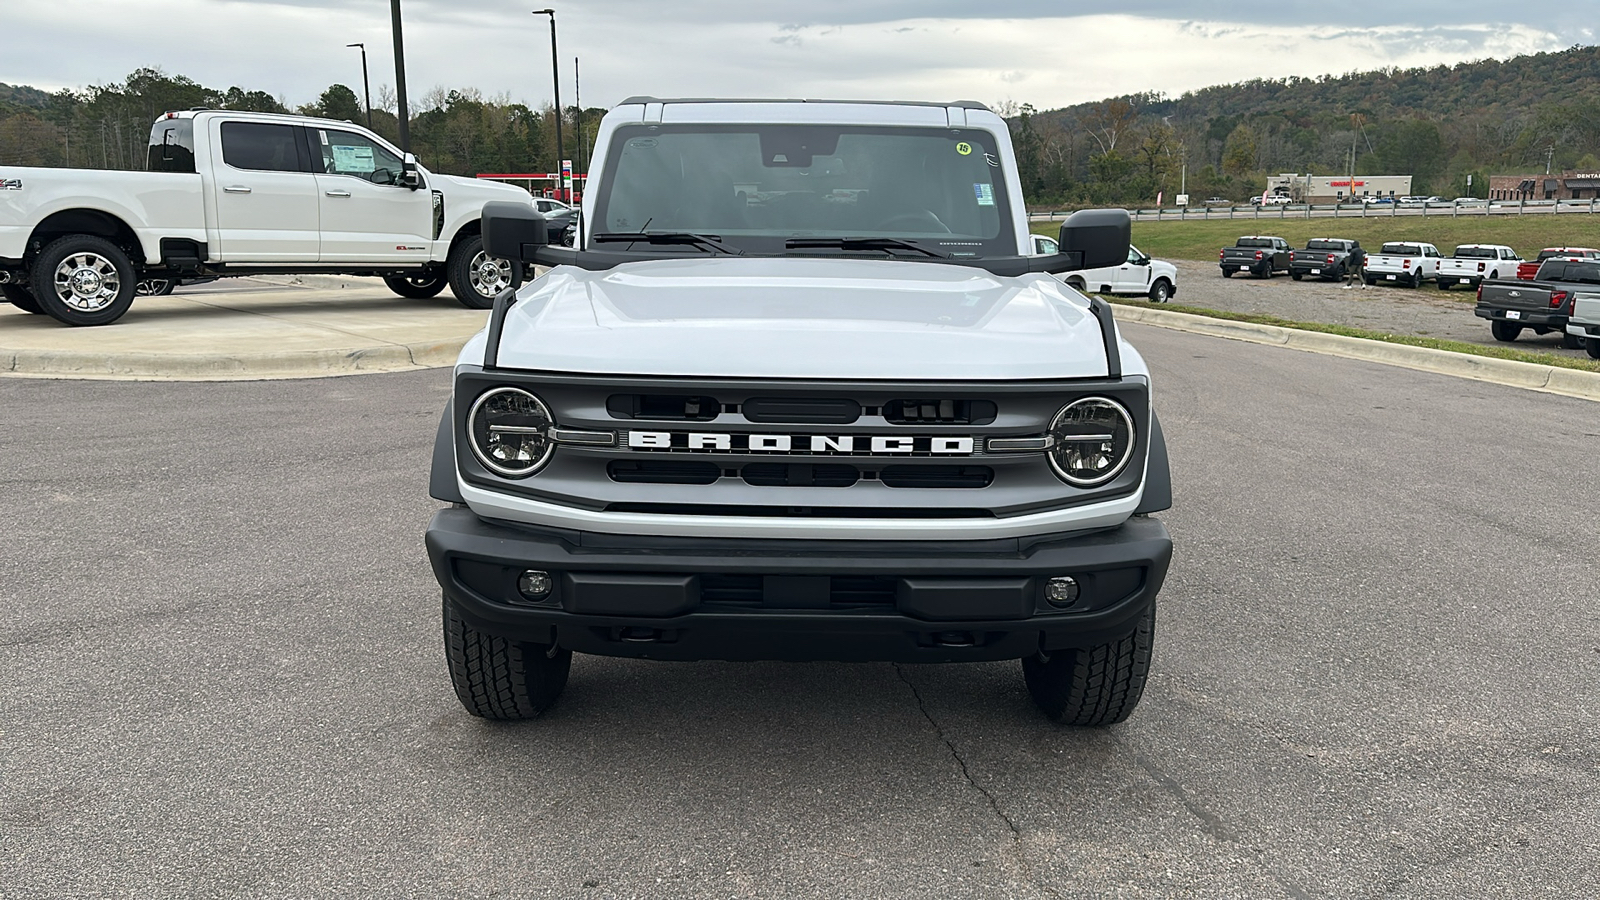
<point>1558,290</point>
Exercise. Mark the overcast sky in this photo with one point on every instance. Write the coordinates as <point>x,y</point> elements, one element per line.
<point>1049,54</point>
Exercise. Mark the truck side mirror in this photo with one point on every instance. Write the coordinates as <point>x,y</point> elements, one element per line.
<point>1100,236</point>
<point>513,230</point>
<point>409,177</point>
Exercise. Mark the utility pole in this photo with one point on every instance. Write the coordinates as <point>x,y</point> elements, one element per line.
<point>555,77</point>
<point>400,77</point>
<point>366,86</point>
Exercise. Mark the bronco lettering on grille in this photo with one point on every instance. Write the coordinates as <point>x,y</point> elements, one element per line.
<point>803,444</point>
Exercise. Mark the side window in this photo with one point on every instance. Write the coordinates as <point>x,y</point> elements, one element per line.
<point>1045,246</point>
<point>260,146</point>
<point>348,153</point>
<point>1133,254</point>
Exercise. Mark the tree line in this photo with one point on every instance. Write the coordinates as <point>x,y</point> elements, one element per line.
<point>456,132</point>
<point>1438,124</point>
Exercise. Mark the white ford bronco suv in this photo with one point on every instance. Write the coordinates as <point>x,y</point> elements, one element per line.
<point>800,392</point>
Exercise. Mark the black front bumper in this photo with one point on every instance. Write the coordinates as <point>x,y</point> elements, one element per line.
<point>699,598</point>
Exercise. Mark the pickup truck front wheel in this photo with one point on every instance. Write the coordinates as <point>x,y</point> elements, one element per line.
<point>21,298</point>
<point>417,287</point>
<point>1096,685</point>
<point>1505,331</point>
<point>476,277</point>
<point>1161,291</point>
<point>499,679</point>
<point>84,280</point>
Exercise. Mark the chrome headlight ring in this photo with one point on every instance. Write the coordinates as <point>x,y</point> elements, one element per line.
<point>509,432</point>
<point>1093,440</point>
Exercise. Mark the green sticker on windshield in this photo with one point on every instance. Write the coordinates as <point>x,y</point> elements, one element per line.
<point>964,148</point>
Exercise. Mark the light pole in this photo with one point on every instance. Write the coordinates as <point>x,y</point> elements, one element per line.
<point>400,77</point>
<point>555,77</point>
<point>366,86</point>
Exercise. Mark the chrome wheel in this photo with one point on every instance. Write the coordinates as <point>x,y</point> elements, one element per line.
<point>87,282</point>
<point>489,275</point>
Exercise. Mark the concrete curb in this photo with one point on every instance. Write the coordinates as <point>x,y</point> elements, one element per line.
<point>226,367</point>
<point>1531,376</point>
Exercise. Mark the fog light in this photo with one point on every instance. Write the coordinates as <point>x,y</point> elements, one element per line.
<point>535,585</point>
<point>1061,590</point>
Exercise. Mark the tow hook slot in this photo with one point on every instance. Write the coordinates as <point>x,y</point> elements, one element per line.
<point>640,634</point>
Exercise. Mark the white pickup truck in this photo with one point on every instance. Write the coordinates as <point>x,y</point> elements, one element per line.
<point>238,193</point>
<point>1139,276</point>
<point>1470,264</point>
<point>1409,263</point>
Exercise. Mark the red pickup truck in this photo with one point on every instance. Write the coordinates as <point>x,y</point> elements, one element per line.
<point>1527,269</point>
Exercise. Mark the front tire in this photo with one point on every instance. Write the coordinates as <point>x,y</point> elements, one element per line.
<point>1161,291</point>
<point>21,298</point>
<point>417,287</point>
<point>81,279</point>
<point>498,679</point>
<point>1094,686</point>
<point>1504,332</point>
<point>476,277</point>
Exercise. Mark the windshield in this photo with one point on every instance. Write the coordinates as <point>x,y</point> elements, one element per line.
<point>759,186</point>
<point>1476,253</point>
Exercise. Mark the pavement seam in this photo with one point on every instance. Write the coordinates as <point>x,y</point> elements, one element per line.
<point>1509,373</point>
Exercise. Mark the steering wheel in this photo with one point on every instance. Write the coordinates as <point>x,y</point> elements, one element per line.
<point>917,221</point>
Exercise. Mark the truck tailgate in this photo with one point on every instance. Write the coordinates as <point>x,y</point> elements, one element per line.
<point>1527,296</point>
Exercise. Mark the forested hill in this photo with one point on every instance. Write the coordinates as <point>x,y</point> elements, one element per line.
<point>21,96</point>
<point>1508,86</point>
<point>1439,125</point>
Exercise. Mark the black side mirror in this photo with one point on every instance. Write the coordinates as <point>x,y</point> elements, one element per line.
<point>409,176</point>
<point>513,230</point>
<point>1099,236</point>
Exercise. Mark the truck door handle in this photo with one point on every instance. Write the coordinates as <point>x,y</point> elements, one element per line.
<point>337,193</point>
<point>236,189</point>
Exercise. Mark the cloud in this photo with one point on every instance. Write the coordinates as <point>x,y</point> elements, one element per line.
<point>933,50</point>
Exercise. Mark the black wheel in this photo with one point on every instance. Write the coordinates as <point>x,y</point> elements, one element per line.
<point>155,287</point>
<point>84,280</point>
<point>417,287</point>
<point>1161,291</point>
<point>1227,273</point>
<point>1096,685</point>
<point>497,679</point>
<point>1441,285</point>
<point>1262,272</point>
<point>1369,280</point>
<point>1505,331</point>
<point>1571,341</point>
<point>21,298</point>
<point>1296,275</point>
<point>476,277</point>
<point>1591,346</point>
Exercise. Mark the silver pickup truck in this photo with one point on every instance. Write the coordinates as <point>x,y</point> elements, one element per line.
<point>799,391</point>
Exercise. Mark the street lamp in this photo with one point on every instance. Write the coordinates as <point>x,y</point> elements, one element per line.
<point>555,77</point>
<point>365,85</point>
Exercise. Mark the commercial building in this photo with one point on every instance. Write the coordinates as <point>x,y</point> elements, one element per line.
<point>1333,188</point>
<point>1568,185</point>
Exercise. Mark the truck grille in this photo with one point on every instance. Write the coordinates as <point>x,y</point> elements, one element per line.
<point>844,592</point>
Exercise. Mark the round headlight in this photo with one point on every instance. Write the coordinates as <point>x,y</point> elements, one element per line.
<point>1093,441</point>
<point>509,430</point>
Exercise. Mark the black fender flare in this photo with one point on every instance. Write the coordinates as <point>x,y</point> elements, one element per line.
<point>1157,473</point>
<point>442,479</point>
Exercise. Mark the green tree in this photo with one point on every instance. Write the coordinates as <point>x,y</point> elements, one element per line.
<point>337,102</point>
<point>1239,151</point>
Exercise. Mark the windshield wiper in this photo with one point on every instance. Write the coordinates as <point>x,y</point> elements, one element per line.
<point>885,244</point>
<point>706,241</point>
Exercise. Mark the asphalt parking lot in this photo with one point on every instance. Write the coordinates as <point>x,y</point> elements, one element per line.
<point>1374,676</point>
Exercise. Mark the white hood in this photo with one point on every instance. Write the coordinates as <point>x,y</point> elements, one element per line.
<point>800,318</point>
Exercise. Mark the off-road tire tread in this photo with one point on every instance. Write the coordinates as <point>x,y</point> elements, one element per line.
<point>1095,686</point>
<point>499,679</point>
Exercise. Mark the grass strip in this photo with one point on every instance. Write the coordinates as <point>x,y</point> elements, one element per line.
<point>1536,357</point>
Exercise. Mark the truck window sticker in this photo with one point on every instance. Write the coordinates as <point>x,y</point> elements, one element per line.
<point>351,159</point>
